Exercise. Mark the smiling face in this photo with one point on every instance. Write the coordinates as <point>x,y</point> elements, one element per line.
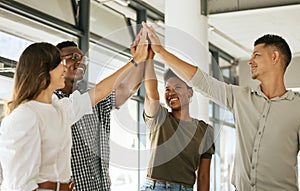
<point>74,63</point>
<point>57,76</point>
<point>177,94</point>
<point>261,61</point>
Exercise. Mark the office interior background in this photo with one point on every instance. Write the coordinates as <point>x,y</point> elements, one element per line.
<point>104,30</point>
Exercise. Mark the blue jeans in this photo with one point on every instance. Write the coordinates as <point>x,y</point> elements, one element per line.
<point>164,186</point>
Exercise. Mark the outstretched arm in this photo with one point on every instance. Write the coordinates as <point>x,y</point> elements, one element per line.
<point>151,103</point>
<point>218,91</point>
<point>133,79</point>
<point>107,85</point>
<point>185,70</point>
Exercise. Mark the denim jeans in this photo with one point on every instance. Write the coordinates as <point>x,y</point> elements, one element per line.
<point>152,185</point>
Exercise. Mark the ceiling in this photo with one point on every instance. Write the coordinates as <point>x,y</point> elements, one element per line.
<point>235,24</point>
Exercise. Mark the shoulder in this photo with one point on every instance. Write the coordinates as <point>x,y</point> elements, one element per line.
<point>24,111</point>
<point>22,118</point>
<point>205,126</point>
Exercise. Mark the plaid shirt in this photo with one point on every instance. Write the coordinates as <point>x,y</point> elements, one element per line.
<point>90,149</point>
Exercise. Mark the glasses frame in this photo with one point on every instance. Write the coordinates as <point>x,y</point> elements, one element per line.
<point>77,57</point>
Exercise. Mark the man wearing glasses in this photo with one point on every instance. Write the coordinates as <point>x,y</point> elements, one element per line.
<point>90,135</point>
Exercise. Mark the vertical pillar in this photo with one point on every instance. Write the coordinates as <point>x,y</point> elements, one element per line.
<point>141,128</point>
<point>186,36</point>
<point>84,26</point>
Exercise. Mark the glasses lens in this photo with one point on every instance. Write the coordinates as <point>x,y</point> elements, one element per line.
<point>63,62</point>
<point>76,57</point>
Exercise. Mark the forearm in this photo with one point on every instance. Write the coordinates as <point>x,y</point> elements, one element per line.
<point>130,84</point>
<point>107,85</point>
<point>151,104</point>
<point>203,175</point>
<point>150,81</point>
<point>183,69</point>
<point>203,184</point>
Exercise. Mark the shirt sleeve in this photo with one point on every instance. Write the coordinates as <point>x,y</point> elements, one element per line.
<point>113,100</point>
<point>218,91</point>
<point>20,150</point>
<point>157,120</point>
<point>207,146</point>
<point>75,106</point>
<point>108,104</point>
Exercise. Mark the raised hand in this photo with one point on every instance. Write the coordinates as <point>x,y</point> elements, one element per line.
<point>154,40</point>
<point>139,48</point>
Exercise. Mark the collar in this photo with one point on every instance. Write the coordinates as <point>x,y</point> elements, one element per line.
<point>289,95</point>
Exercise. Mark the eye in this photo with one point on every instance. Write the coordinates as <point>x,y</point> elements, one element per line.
<point>256,55</point>
<point>76,57</point>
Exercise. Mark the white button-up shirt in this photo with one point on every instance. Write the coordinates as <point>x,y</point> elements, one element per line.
<point>35,141</point>
<point>267,133</point>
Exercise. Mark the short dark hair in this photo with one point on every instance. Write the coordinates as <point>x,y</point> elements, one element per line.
<point>279,43</point>
<point>170,74</point>
<point>65,44</point>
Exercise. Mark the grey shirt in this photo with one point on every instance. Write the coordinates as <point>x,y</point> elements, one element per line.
<point>267,132</point>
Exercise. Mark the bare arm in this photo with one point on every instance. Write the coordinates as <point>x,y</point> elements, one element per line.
<point>151,103</point>
<point>106,86</point>
<point>203,175</point>
<point>133,80</point>
<point>130,84</point>
<point>185,70</point>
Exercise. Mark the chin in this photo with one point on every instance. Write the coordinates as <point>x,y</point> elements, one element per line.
<point>174,107</point>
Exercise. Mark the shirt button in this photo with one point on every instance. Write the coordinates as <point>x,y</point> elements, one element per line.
<point>255,150</point>
<point>259,133</point>
<point>264,116</point>
<point>253,167</point>
<point>252,184</point>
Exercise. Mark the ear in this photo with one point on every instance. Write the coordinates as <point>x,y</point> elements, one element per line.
<point>275,57</point>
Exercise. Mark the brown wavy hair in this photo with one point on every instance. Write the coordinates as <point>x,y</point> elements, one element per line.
<point>32,73</point>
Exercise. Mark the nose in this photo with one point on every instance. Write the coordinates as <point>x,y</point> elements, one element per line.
<point>250,61</point>
<point>171,92</point>
<point>65,69</point>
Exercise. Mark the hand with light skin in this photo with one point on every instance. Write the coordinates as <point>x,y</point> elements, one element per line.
<point>183,69</point>
<point>154,40</point>
<point>139,48</point>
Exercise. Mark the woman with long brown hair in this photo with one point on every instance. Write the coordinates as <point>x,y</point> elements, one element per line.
<point>35,136</point>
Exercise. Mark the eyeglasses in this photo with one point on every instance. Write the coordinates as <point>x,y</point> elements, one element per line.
<point>63,62</point>
<point>78,58</point>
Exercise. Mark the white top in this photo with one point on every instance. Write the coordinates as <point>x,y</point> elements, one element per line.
<point>35,141</point>
<point>267,133</point>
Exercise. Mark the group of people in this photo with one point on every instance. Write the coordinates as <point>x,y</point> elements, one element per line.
<point>56,136</point>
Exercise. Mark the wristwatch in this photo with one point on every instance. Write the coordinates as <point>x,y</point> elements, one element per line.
<point>133,62</point>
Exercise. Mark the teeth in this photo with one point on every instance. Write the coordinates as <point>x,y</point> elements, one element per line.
<point>173,99</point>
